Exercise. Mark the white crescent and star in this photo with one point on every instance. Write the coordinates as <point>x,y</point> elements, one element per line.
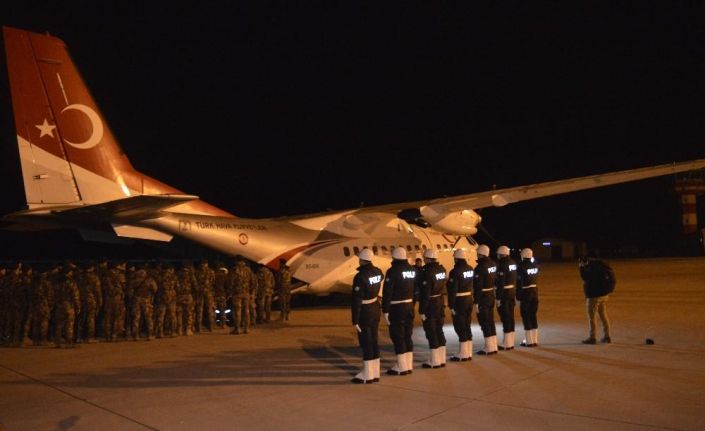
<point>47,129</point>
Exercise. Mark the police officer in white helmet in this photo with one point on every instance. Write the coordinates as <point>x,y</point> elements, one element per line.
<point>528,296</point>
<point>365,315</point>
<point>505,283</point>
<point>398,309</point>
<point>460,281</point>
<point>483,286</point>
<point>432,282</point>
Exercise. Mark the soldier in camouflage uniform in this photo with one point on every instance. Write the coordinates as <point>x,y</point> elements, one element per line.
<point>254,297</point>
<point>219,291</point>
<point>265,287</point>
<point>114,302</point>
<point>130,285</point>
<point>41,299</point>
<point>184,299</point>
<point>284,288</point>
<point>239,281</point>
<point>145,287</point>
<point>27,281</point>
<point>91,302</point>
<point>15,282</point>
<point>205,278</point>
<point>67,305</point>
<point>166,302</point>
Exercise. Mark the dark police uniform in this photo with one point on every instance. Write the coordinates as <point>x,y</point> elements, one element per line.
<point>506,281</point>
<point>365,308</point>
<point>528,295</point>
<point>432,284</point>
<point>483,286</point>
<point>397,296</point>
<point>460,300</point>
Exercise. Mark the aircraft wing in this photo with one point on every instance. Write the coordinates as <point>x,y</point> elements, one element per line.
<point>454,214</point>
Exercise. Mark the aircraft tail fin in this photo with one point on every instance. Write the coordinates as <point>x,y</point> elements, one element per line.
<point>67,151</point>
<point>69,155</point>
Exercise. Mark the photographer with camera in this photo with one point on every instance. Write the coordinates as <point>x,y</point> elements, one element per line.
<point>598,282</point>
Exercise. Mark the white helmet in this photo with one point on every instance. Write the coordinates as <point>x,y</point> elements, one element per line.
<point>366,254</point>
<point>503,250</point>
<point>460,254</point>
<point>483,250</point>
<point>527,253</point>
<point>430,254</point>
<point>399,253</point>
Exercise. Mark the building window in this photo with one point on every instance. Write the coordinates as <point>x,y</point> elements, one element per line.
<point>346,251</point>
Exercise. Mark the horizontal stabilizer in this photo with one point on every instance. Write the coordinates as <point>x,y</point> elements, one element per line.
<point>126,210</point>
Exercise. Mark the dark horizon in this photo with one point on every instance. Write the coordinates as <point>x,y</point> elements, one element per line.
<point>294,109</point>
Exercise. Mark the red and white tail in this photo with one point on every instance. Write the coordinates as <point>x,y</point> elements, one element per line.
<point>68,153</point>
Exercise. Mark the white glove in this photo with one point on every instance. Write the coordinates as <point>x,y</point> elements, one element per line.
<point>452,311</point>
<point>357,327</point>
<point>386,318</point>
<point>477,308</point>
<point>423,317</point>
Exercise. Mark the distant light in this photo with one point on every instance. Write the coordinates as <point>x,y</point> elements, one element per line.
<point>547,244</point>
<point>227,311</point>
<point>217,311</point>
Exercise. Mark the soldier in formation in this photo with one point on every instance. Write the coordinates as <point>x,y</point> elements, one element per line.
<point>240,280</point>
<point>220,292</point>
<point>265,286</point>
<point>284,289</point>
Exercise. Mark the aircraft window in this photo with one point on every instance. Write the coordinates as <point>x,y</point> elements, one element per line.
<point>346,251</point>
<point>375,250</point>
<point>445,246</point>
<point>408,247</point>
<point>384,249</point>
<point>417,248</point>
<point>356,250</point>
<point>423,246</point>
<point>438,246</point>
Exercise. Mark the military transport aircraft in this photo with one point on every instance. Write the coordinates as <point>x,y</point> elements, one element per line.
<point>76,176</point>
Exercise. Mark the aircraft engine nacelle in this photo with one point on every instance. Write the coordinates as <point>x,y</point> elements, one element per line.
<point>463,222</point>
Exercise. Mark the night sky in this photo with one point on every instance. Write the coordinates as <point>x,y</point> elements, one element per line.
<point>271,109</point>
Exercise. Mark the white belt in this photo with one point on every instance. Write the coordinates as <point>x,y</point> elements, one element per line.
<point>403,301</point>
<point>487,290</point>
<point>464,294</point>
<point>511,286</point>
<point>529,286</point>
<point>435,296</point>
<point>369,301</point>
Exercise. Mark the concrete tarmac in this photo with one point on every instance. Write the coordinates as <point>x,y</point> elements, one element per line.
<point>296,375</point>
